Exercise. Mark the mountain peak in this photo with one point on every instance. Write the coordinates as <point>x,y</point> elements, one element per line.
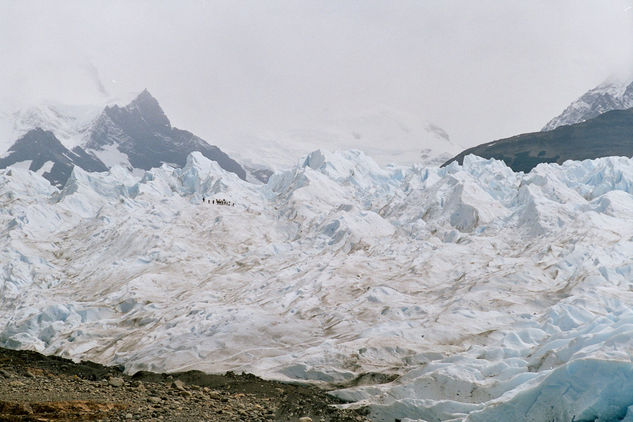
<point>143,134</point>
<point>613,94</point>
<point>149,109</point>
<point>37,136</point>
<point>144,95</point>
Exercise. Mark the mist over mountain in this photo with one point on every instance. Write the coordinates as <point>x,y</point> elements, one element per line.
<point>388,135</point>
<point>139,136</point>
<point>69,123</point>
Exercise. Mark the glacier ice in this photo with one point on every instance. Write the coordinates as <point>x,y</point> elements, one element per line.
<point>464,293</point>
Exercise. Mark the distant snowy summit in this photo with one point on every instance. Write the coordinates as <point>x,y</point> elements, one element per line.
<point>69,123</point>
<point>138,136</point>
<point>610,95</point>
<point>598,124</point>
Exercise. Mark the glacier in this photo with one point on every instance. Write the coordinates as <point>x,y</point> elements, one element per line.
<point>463,293</point>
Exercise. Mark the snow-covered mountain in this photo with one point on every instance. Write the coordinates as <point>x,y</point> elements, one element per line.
<point>69,123</point>
<point>138,136</point>
<point>463,293</point>
<point>610,95</point>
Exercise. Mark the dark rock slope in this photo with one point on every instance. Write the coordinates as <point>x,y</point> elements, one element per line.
<point>141,131</point>
<point>40,146</point>
<point>609,134</point>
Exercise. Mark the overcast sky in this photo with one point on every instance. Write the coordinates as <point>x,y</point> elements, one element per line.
<point>481,69</point>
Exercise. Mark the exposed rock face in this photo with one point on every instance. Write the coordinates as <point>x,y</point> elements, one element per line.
<point>609,134</point>
<point>144,134</point>
<point>40,147</point>
<point>605,97</point>
<point>137,136</point>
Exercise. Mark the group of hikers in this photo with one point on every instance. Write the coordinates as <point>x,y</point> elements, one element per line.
<point>218,202</point>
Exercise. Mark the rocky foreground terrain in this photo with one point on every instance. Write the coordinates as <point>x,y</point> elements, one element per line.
<point>34,387</point>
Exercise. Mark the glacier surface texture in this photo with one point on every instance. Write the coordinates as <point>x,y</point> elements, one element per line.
<point>465,293</point>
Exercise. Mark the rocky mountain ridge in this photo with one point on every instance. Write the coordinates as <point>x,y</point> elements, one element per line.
<point>44,152</point>
<point>609,134</point>
<point>138,136</point>
<point>610,95</point>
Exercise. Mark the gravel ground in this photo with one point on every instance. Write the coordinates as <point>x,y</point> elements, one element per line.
<point>34,387</point>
